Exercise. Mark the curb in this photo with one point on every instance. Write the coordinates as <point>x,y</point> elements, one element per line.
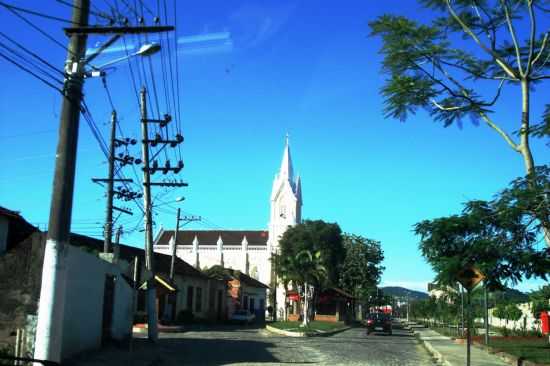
<point>303,334</point>
<point>435,353</point>
<point>140,329</point>
<point>506,357</point>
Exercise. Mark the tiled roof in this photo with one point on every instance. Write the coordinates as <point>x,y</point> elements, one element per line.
<point>229,273</point>
<point>210,237</point>
<point>161,261</point>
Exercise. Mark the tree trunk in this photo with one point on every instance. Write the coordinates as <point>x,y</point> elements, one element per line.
<point>525,149</point>
<point>305,318</point>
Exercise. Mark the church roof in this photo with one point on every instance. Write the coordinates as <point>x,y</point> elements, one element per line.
<point>210,237</point>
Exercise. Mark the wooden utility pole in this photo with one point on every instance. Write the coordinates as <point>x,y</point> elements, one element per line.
<point>186,220</point>
<point>173,259</point>
<point>49,329</point>
<point>152,316</point>
<point>110,190</point>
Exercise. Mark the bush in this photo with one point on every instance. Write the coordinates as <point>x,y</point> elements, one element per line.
<point>185,317</point>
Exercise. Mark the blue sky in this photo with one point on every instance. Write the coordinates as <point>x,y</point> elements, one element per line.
<point>250,72</point>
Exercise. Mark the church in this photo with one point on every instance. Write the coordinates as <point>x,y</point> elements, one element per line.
<point>248,251</point>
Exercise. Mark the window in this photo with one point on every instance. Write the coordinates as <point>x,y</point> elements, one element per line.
<point>245,302</point>
<point>262,304</point>
<point>190,298</point>
<point>198,305</point>
<point>252,305</point>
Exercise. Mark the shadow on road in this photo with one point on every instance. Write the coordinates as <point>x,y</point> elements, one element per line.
<point>181,351</point>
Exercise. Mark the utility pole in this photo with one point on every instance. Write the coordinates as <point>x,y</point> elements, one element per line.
<point>462,308</point>
<point>121,193</point>
<point>173,260</point>
<point>152,316</point>
<point>49,329</point>
<point>186,219</point>
<point>110,191</point>
<point>469,328</point>
<point>486,314</point>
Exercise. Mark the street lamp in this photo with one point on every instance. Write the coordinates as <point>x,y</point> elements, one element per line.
<point>147,49</point>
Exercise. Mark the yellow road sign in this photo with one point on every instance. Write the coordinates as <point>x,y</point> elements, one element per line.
<point>470,277</point>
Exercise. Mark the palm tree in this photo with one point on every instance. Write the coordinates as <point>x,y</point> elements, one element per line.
<point>286,268</point>
<point>310,272</point>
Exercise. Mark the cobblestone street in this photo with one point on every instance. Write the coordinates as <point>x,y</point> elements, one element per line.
<point>241,346</point>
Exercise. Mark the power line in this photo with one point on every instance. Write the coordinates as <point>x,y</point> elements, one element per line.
<point>30,72</point>
<point>32,12</point>
<point>32,53</point>
<point>32,64</point>
<point>97,14</point>
<point>29,23</point>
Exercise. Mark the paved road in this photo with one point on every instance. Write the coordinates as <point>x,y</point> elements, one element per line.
<point>241,346</point>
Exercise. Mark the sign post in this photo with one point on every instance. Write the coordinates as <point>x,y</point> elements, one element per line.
<point>469,277</point>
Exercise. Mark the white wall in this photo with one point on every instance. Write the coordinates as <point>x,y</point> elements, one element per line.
<point>122,310</point>
<point>83,314</point>
<point>183,283</point>
<point>233,257</point>
<point>527,317</point>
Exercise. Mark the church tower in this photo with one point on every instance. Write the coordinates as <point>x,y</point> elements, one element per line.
<point>286,200</point>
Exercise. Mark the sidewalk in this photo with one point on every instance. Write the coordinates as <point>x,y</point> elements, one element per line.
<point>449,353</point>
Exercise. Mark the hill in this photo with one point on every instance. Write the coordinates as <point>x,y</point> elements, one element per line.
<point>402,293</point>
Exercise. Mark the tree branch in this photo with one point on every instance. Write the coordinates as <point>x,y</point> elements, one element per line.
<point>477,75</point>
<point>513,34</point>
<point>531,36</point>
<point>502,63</point>
<point>541,51</point>
<point>446,109</point>
<point>501,132</point>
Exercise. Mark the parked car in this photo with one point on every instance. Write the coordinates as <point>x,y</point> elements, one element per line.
<point>242,316</point>
<point>379,322</point>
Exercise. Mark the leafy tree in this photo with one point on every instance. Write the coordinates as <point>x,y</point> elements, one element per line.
<point>457,66</point>
<point>507,311</point>
<point>361,269</point>
<point>318,239</point>
<point>540,300</point>
<point>498,243</point>
<point>316,236</point>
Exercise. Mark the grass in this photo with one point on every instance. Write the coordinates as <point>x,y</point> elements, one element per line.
<point>314,326</point>
<point>534,349</point>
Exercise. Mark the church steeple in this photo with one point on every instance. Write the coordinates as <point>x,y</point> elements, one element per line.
<point>286,199</point>
<point>286,171</point>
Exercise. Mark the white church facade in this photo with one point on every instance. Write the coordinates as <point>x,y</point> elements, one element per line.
<point>249,251</point>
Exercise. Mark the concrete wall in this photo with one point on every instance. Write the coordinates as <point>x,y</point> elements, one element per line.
<point>83,313</point>
<point>123,310</point>
<point>183,283</point>
<point>527,320</point>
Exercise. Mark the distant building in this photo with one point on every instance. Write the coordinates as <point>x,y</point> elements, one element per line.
<point>242,291</point>
<point>249,251</point>
<point>437,291</point>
